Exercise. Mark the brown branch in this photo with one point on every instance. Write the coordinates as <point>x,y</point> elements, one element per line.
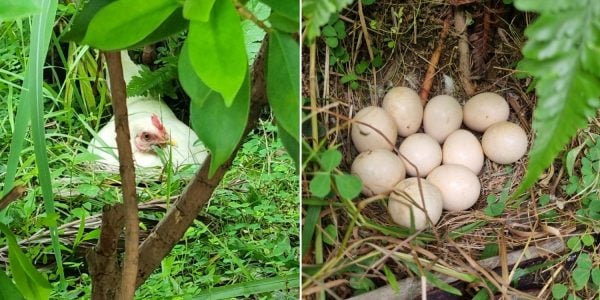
<point>14,194</point>
<point>181,215</point>
<point>435,58</point>
<point>463,51</point>
<point>102,259</point>
<point>127,171</point>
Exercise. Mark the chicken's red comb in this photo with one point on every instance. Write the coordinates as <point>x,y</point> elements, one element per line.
<point>156,122</point>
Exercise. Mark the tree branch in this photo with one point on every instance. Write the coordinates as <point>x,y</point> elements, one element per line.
<point>127,171</point>
<point>181,215</point>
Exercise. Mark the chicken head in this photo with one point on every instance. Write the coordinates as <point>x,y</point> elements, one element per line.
<point>154,134</point>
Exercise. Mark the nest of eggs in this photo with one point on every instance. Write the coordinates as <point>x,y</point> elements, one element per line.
<point>451,169</point>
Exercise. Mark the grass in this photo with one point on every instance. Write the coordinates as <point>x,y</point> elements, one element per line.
<point>248,234</point>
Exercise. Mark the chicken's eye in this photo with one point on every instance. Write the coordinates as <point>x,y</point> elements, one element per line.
<point>146,136</point>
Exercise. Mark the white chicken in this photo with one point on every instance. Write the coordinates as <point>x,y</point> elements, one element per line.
<point>152,124</point>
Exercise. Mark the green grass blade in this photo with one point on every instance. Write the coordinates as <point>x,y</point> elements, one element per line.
<point>245,289</point>
<point>41,31</point>
<point>310,223</point>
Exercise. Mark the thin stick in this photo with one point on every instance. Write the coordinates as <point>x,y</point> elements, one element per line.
<point>463,51</point>
<point>127,171</point>
<point>435,58</point>
<point>14,194</point>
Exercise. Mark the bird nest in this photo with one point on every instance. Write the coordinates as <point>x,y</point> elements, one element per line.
<point>513,235</point>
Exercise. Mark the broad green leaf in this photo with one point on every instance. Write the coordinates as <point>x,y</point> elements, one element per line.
<point>320,185</point>
<point>197,10</point>
<point>30,282</point>
<point>126,22</point>
<point>349,186</point>
<point>191,83</point>
<point>361,283</point>
<point>330,159</point>
<point>211,114</point>
<point>285,16</point>
<point>217,51</point>
<point>8,290</point>
<point>561,53</point>
<point>283,82</point>
<point>289,8</point>
<point>79,24</point>
<point>15,9</point>
<point>308,229</point>
<point>283,24</point>
<point>290,144</point>
<point>175,23</point>
<point>559,291</point>
<point>317,13</point>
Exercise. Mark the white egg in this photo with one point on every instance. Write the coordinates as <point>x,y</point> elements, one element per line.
<point>460,187</point>
<point>405,107</point>
<point>406,206</point>
<point>504,142</point>
<point>379,170</point>
<point>367,138</point>
<point>443,115</point>
<point>421,150</point>
<point>484,110</point>
<point>463,148</point>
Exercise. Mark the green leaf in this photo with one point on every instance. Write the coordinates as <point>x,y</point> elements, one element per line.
<point>574,243</point>
<point>211,112</point>
<point>571,158</point>
<point>559,291</point>
<point>8,290</point>
<point>317,13</point>
<point>361,283</point>
<point>126,22</point>
<point>173,24</point>
<point>191,83</point>
<point>283,24</point>
<point>320,185</point>
<point>283,82</point>
<point>15,9</point>
<point>580,277</point>
<point>30,282</point>
<point>490,250</point>
<point>311,219</point>
<point>562,53</point>
<point>217,51</point>
<point>348,186</point>
<point>79,24</point>
<point>330,159</point>
<point>289,8</point>
<point>596,276</point>
<point>391,279</point>
<point>330,235</point>
<point>197,10</point>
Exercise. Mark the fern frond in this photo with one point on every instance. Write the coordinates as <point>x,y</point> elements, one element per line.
<point>154,83</point>
<point>563,55</point>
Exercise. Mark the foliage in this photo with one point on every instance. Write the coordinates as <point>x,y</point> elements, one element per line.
<point>563,55</point>
<point>317,13</point>
<point>154,83</point>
